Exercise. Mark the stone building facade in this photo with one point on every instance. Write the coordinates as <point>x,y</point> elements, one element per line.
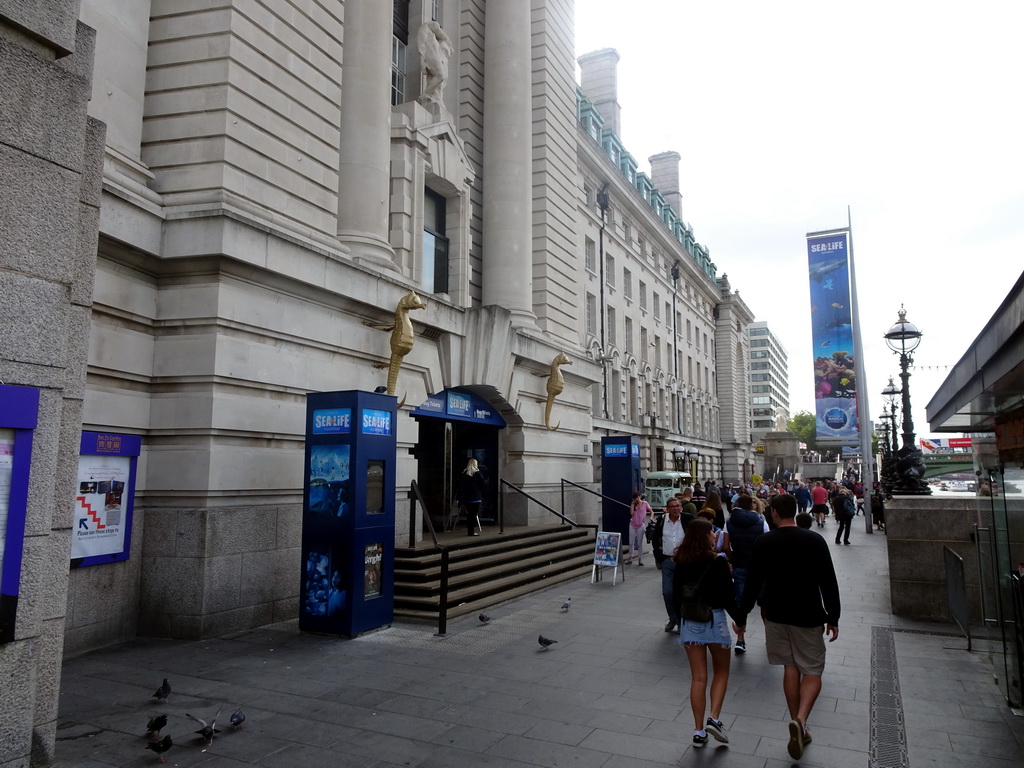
<point>256,202</point>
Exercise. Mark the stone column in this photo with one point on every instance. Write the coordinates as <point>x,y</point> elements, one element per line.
<point>507,182</point>
<point>364,145</point>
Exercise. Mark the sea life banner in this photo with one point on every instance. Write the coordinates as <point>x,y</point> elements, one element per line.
<point>835,370</point>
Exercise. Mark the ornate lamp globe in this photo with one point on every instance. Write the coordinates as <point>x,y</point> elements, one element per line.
<point>903,336</point>
<point>891,390</point>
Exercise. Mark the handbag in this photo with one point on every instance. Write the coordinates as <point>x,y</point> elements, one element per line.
<point>692,607</point>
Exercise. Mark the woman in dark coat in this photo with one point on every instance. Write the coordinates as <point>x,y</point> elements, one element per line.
<point>470,494</point>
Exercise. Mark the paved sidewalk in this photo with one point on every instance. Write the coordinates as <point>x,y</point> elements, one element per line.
<point>612,691</point>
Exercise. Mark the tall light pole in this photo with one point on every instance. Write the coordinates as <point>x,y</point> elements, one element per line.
<point>675,347</point>
<point>903,338</point>
<point>602,203</point>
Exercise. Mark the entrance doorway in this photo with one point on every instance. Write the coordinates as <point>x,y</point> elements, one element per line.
<point>454,427</point>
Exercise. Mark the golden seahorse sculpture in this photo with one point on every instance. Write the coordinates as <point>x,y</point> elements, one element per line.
<point>555,385</point>
<point>402,336</point>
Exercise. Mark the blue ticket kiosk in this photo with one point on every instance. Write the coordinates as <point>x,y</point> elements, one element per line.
<point>620,477</point>
<point>348,521</point>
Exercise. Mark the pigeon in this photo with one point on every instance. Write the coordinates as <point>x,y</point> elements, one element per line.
<point>237,718</point>
<point>206,731</point>
<point>485,619</point>
<point>163,692</point>
<point>567,605</point>
<point>545,642</point>
<point>161,746</point>
<point>155,725</point>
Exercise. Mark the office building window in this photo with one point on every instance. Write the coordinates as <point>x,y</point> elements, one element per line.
<point>590,255</point>
<point>610,328</point>
<point>627,334</point>
<point>591,314</point>
<point>609,271</point>
<point>627,283</point>
<point>643,295</point>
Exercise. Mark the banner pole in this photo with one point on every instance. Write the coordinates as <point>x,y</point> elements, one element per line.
<point>864,423</point>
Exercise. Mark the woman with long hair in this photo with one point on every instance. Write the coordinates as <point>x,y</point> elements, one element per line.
<point>696,563</point>
<point>714,503</point>
<point>470,494</point>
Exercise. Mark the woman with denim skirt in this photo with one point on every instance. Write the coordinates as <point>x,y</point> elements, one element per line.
<point>696,563</point>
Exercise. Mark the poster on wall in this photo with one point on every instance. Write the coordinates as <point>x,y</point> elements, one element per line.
<point>6,468</point>
<point>835,367</point>
<point>99,516</point>
<point>101,531</point>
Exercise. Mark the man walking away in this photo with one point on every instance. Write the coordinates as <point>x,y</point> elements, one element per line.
<point>846,510</point>
<point>800,603</point>
<point>743,527</point>
<point>819,500</point>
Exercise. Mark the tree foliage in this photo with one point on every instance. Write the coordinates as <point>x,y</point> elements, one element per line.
<point>802,424</point>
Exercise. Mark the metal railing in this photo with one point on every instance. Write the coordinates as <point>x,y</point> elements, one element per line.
<point>442,608</point>
<point>956,592</point>
<point>591,491</point>
<point>535,500</point>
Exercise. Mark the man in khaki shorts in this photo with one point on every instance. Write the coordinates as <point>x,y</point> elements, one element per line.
<point>799,605</point>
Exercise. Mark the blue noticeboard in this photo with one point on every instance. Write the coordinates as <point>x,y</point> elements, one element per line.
<point>19,413</point>
<point>103,504</point>
<point>348,522</point>
<point>620,477</point>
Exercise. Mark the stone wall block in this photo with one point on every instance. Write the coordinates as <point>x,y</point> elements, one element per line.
<point>191,534</point>
<point>45,119</point>
<point>18,660</point>
<point>184,627</point>
<point>33,319</point>
<point>78,345</point>
<point>47,454</point>
<point>172,585</point>
<point>286,610</point>
<point>50,647</point>
<point>242,530</point>
<point>224,587</point>
<point>160,536</point>
<point>246,617</point>
<point>52,23</point>
<point>270,576</point>
<point>289,526</point>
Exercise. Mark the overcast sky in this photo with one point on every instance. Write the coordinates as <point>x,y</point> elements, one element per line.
<point>785,113</point>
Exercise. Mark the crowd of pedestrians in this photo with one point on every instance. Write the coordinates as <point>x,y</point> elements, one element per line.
<point>724,551</point>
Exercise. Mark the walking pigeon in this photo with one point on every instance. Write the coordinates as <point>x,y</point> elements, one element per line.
<point>567,605</point>
<point>206,731</point>
<point>484,618</point>
<point>237,718</point>
<point>545,642</point>
<point>161,746</point>
<point>155,725</point>
<point>163,692</point>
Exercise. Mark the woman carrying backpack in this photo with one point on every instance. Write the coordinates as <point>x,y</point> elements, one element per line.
<point>702,591</point>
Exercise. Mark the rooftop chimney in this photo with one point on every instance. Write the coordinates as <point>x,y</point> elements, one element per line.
<point>599,81</point>
<point>665,178</point>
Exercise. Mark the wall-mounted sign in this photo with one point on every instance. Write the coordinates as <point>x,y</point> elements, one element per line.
<point>376,422</point>
<point>103,498</point>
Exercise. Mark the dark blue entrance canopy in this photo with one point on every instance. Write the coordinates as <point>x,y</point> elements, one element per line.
<point>458,405</point>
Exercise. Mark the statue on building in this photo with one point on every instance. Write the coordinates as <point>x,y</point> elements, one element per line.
<point>402,337</point>
<point>781,423</point>
<point>555,385</point>
<point>434,47</point>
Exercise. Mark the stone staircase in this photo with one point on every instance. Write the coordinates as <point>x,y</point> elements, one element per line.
<point>490,569</point>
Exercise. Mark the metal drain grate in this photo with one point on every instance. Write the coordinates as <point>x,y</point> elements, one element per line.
<point>888,732</point>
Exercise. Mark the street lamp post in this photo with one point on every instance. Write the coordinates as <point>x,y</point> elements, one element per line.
<point>889,393</point>
<point>903,338</point>
<point>602,203</point>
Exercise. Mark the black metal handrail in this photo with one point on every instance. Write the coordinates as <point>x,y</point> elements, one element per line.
<point>442,607</point>
<point>589,490</point>
<point>552,510</point>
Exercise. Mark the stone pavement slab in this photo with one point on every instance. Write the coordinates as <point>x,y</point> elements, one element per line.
<point>612,692</point>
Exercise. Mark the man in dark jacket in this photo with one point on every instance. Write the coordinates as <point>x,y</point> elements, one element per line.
<point>743,526</point>
<point>801,597</point>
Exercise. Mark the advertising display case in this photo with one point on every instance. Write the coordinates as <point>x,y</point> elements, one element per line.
<point>348,524</point>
